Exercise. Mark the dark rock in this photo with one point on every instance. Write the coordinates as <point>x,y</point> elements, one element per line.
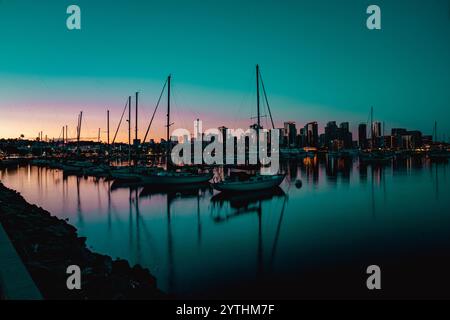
<point>48,245</point>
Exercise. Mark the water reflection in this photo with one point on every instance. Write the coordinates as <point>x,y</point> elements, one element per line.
<point>176,194</point>
<point>249,203</point>
<point>198,242</point>
<point>341,167</point>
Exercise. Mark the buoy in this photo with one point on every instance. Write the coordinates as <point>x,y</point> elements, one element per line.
<point>298,184</point>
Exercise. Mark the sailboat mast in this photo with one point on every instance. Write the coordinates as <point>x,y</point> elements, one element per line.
<point>80,119</point>
<point>168,119</point>
<point>136,129</point>
<point>107,133</point>
<point>371,126</point>
<point>107,125</point>
<point>137,107</point>
<point>258,113</point>
<point>129,130</point>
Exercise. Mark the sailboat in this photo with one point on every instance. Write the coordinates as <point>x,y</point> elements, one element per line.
<point>437,152</point>
<point>172,177</point>
<point>257,181</point>
<point>375,156</point>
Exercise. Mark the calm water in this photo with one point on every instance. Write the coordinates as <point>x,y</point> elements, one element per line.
<point>312,241</point>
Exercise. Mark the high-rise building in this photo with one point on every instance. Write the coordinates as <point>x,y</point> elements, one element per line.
<point>345,127</point>
<point>301,138</point>
<point>376,129</point>
<point>312,134</point>
<point>398,131</point>
<point>283,137</point>
<point>291,130</point>
<point>322,140</point>
<point>416,139</point>
<point>331,133</point>
<point>345,135</point>
<point>376,139</point>
<point>362,135</point>
<point>403,139</point>
<point>396,137</point>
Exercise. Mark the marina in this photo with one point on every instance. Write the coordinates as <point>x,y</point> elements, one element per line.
<point>187,236</point>
<point>224,158</point>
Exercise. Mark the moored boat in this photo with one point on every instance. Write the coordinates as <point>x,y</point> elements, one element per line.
<point>166,178</point>
<point>256,181</point>
<point>253,183</point>
<point>6,163</point>
<point>154,176</point>
<point>438,155</point>
<point>376,157</point>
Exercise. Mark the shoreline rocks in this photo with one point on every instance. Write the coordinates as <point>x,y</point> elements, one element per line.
<point>48,245</point>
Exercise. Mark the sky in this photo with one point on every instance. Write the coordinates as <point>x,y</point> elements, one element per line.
<point>319,62</point>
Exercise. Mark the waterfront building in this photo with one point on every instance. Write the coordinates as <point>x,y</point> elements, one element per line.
<point>331,133</point>
<point>376,129</point>
<point>290,130</point>
<point>312,134</point>
<point>362,135</point>
<point>345,135</point>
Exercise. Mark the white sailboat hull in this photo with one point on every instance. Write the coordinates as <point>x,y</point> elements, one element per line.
<point>263,183</point>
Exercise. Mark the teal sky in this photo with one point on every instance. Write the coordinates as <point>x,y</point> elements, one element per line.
<point>318,61</point>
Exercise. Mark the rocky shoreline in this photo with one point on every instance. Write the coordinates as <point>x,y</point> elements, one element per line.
<point>48,245</point>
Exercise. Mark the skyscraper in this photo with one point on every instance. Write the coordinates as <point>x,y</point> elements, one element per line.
<point>301,141</point>
<point>345,135</point>
<point>331,133</point>
<point>362,135</point>
<point>345,126</point>
<point>376,140</point>
<point>291,131</point>
<point>376,129</point>
<point>312,134</point>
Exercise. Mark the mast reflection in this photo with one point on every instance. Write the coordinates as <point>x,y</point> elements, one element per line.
<point>248,203</point>
<point>172,194</point>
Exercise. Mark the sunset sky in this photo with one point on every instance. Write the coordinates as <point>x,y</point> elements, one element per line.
<point>318,60</point>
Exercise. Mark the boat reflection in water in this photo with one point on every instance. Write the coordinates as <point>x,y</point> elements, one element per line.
<point>227,206</point>
<point>172,194</point>
<point>241,203</point>
<point>287,242</point>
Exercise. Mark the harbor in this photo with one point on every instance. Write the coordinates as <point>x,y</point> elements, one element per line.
<point>224,158</point>
<point>186,236</point>
<point>177,214</point>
